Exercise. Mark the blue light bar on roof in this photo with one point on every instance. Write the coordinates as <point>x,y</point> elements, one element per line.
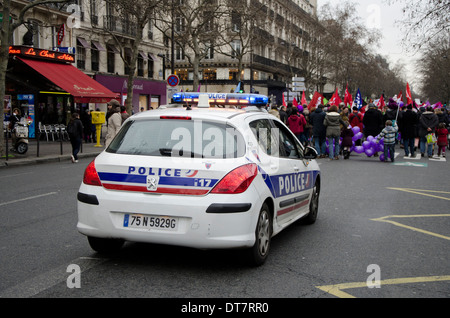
<point>223,99</point>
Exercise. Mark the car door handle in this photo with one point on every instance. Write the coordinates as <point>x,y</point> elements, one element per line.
<point>296,169</point>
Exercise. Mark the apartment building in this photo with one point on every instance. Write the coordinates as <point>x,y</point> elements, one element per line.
<point>280,35</point>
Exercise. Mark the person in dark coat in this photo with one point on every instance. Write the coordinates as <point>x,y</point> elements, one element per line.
<point>442,116</point>
<point>427,124</point>
<point>75,130</point>
<point>86,120</point>
<point>319,130</point>
<point>373,121</point>
<point>347,139</point>
<point>283,114</point>
<point>408,127</point>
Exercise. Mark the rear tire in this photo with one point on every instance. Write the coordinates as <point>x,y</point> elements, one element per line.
<point>263,234</point>
<point>105,246</point>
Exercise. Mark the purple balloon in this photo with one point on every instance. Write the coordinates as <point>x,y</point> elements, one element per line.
<point>359,149</point>
<point>356,130</point>
<point>369,152</point>
<point>379,148</point>
<point>366,144</point>
<point>382,157</point>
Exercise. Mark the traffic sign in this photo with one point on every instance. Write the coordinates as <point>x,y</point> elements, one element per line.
<point>173,80</point>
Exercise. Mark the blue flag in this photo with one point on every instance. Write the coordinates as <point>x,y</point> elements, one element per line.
<point>358,100</point>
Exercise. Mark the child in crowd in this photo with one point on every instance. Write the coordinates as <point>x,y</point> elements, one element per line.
<point>389,133</point>
<point>442,142</point>
<point>347,141</point>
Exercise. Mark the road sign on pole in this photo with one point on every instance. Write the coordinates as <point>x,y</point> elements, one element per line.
<point>173,80</point>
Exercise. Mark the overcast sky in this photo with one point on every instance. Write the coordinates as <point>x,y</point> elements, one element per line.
<point>382,16</point>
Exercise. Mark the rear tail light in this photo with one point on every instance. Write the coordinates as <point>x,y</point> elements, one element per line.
<point>237,181</point>
<point>91,176</point>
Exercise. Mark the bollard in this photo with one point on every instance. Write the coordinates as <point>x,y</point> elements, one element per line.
<point>7,146</point>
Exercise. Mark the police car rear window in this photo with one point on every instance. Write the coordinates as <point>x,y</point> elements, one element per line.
<point>178,138</point>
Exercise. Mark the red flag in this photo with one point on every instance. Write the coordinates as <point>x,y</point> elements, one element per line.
<point>294,102</point>
<point>348,100</point>
<point>400,97</point>
<point>304,102</point>
<point>408,95</point>
<point>316,100</point>
<point>335,99</point>
<point>381,103</point>
<point>284,102</point>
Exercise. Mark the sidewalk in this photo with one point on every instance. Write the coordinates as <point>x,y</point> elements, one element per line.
<point>49,151</point>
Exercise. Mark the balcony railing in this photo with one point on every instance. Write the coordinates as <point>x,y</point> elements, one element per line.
<point>123,26</point>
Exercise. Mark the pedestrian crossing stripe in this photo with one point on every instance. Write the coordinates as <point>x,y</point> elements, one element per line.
<point>411,164</point>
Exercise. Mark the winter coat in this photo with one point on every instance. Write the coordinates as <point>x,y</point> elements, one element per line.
<point>443,117</point>
<point>408,124</point>
<point>347,134</point>
<point>441,135</point>
<point>388,133</point>
<point>275,113</point>
<point>283,116</point>
<point>427,120</point>
<point>390,114</point>
<point>373,122</point>
<point>75,129</point>
<point>356,119</point>
<point>296,124</point>
<point>333,121</point>
<point>114,123</point>
<point>316,120</point>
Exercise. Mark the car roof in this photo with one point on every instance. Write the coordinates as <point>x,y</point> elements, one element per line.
<point>213,113</point>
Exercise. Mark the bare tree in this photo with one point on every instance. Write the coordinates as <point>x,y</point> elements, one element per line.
<point>133,17</point>
<point>423,21</point>
<point>435,68</point>
<point>195,25</point>
<point>10,22</point>
<point>243,19</point>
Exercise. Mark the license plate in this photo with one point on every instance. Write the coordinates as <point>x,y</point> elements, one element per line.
<point>150,222</point>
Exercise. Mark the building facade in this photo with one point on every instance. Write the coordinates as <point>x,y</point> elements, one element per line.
<point>86,30</point>
<point>280,35</point>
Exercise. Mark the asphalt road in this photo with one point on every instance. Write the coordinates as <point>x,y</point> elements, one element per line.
<point>358,238</point>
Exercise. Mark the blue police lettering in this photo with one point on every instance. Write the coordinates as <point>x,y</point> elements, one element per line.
<point>161,172</point>
<point>292,183</point>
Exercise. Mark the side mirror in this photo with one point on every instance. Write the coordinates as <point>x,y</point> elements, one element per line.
<point>310,153</point>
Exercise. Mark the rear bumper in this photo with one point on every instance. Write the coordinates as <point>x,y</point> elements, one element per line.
<point>206,222</point>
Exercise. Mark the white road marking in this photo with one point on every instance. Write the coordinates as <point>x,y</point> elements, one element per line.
<point>47,280</point>
<point>28,198</point>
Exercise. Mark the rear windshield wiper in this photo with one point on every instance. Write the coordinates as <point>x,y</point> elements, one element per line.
<point>179,153</point>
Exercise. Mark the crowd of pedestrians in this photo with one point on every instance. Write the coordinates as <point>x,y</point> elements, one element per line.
<point>328,129</point>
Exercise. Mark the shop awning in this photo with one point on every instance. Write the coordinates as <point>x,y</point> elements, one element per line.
<point>83,88</point>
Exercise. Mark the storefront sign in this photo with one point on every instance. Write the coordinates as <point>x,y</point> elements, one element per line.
<point>41,54</point>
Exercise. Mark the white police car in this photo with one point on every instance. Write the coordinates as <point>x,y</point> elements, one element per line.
<point>207,178</point>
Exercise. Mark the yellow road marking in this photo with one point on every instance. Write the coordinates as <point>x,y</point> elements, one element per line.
<point>336,290</point>
<point>415,191</point>
<point>384,219</point>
